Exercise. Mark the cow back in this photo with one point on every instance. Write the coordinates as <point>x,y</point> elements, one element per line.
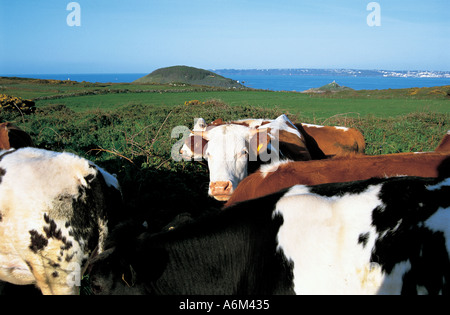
<point>277,176</point>
<point>335,140</point>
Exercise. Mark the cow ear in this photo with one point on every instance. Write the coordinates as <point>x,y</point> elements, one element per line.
<point>199,124</point>
<point>217,122</point>
<point>259,141</point>
<point>4,138</point>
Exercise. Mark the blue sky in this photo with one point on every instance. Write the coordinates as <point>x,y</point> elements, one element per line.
<point>139,36</point>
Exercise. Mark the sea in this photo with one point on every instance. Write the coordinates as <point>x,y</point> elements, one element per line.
<point>296,83</point>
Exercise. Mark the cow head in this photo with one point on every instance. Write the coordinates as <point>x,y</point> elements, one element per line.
<point>228,149</point>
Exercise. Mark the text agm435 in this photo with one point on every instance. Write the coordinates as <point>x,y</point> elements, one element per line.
<point>232,304</point>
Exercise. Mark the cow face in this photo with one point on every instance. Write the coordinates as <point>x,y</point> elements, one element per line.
<point>228,149</point>
<point>227,155</point>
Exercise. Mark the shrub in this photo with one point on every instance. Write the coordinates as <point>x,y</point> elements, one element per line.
<point>12,107</point>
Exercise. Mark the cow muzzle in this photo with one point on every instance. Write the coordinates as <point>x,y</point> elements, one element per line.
<point>221,190</point>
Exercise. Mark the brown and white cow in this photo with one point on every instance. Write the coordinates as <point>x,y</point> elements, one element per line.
<point>12,136</point>
<point>332,140</point>
<point>55,210</point>
<point>321,141</point>
<point>297,142</point>
<point>229,148</point>
<point>271,178</point>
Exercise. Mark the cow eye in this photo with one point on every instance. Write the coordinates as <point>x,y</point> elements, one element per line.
<point>244,152</point>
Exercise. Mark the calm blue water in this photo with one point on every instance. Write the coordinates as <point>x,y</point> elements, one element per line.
<point>302,83</point>
<point>272,82</point>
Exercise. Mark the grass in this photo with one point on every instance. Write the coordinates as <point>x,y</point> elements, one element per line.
<point>316,108</point>
<point>37,88</point>
<point>415,132</point>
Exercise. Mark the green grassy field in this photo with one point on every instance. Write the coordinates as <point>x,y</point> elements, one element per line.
<point>315,107</point>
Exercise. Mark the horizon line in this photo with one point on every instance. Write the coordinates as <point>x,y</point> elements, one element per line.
<point>218,69</point>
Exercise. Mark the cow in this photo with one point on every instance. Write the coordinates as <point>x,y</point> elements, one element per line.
<point>377,236</point>
<point>299,142</point>
<point>233,150</point>
<point>273,177</point>
<point>322,141</point>
<point>12,136</point>
<point>332,140</point>
<point>55,213</point>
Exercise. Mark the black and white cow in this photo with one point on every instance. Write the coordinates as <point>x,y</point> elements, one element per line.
<point>378,236</point>
<point>55,209</point>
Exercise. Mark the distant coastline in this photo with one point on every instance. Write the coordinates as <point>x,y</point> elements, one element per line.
<point>337,72</point>
<point>88,77</point>
<point>297,80</point>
